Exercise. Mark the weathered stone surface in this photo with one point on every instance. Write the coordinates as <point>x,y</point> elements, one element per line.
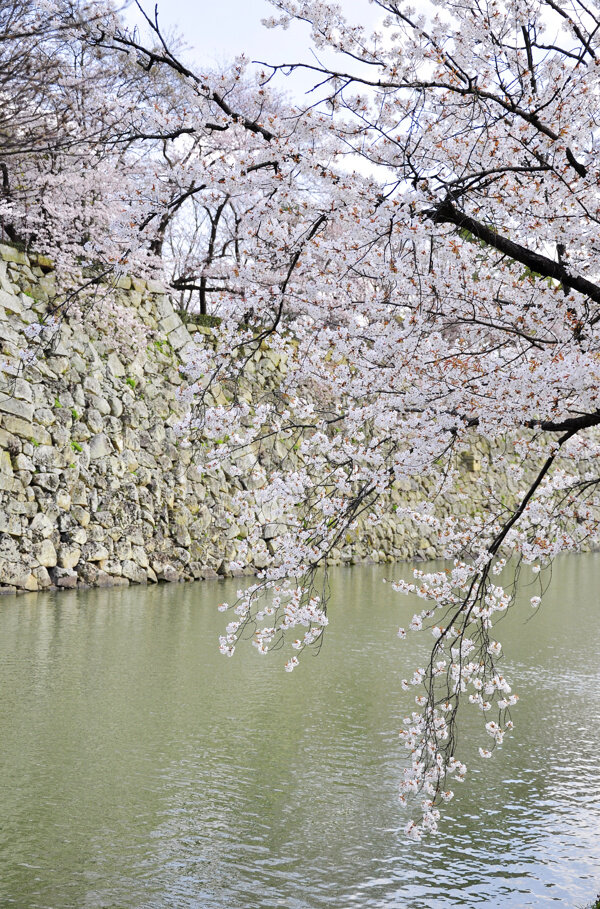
<point>42,577</point>
<point>46,457</point>
<point>116,407</point>
<point>22,390</point>
<point>21,409</point>
<point>100,446</point>
<point>134,573</point>
<point>92,385</point>
<point>78,535</point>
<point>41,526</point>
<point>140,556</point>
<point>5,464</point>
<point>9,483</point>
<point>93,420</point>
<point>10,524</point>
<point>45,554</point>
<point>113,567</point>
<point>68,556</point>
<point>100,404</point>
<point>17,575</point>
<point>45,264</point>
<point>44,416</point>
<point>165,571</point>
<point>22,462</point>
<point>95,552</point>
<point>48,481</point>
<point>63,500</point>
<point>26,430</point>
<point>79,494</point>
<point>65,578</point>
<point>81,515</point>
<point>94,487</point>
<point>10,254</point>
<point>170,323</point>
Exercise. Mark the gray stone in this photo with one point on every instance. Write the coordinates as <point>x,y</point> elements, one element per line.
<point>100,446</point>
<point>46,456</point>
<point>25,509</point>
<point>97,577</point>
<point>95,552</point>
<point>10,254</point>
<point>113,567</point>
<point>123,550</point>
<point>48,481</point>
<point>9,484</point>
<point>81,515</point>
<point>100,404</point>
<point>63,500</point>
<point>93,419</point>
<point>17,575</point>
<point>116,407</point>
<point>42,577</point>
<point>68,556</point>
<point>165,571</point>
<point>79,536</point>
<point>44,416</point>
<point>22,390</point>
<point>21,409</point>
<point>140,556</point>
<point>170,323</point>
<point>79,494</point>
<point>45,554</point>
<point>10,302</point>
<point>26,430</point>
<point>65,578</point>
<point>134,573</point>
<point>10,524</point>
<point>6,463</point>
<point>80,432</point>
<point>92,385</point>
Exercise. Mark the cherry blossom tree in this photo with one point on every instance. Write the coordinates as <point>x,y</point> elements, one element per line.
<point>416,246</point>
<point>109,156</point>
<point>452,296</point>
<point>444,293</point>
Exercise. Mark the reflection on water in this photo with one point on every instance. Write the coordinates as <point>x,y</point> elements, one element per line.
<point>139,768</point>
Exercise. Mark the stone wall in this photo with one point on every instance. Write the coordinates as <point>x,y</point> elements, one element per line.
<point>94,487</point>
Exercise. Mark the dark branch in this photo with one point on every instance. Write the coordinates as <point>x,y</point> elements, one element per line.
<point>447,213</point>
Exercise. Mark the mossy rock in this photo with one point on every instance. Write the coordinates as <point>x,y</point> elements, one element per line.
<point>201,320</point>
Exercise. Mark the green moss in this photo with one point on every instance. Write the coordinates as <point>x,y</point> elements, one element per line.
<point>201,319</point>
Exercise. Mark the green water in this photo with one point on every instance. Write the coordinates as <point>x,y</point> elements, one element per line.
<point>139,768</point>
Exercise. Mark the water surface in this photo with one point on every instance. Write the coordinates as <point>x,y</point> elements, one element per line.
<point>139,768</point>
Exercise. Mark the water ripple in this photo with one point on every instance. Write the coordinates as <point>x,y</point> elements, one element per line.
<point>139,770</point>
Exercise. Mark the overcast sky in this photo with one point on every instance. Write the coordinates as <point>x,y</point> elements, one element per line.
<point>219,30</point>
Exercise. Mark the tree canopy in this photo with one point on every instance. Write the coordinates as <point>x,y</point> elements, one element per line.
<point>419,241</point>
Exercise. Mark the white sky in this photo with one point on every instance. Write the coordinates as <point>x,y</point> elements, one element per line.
<point>219,30</point>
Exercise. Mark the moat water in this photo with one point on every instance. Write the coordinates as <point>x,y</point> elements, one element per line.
<point>139,769</point>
